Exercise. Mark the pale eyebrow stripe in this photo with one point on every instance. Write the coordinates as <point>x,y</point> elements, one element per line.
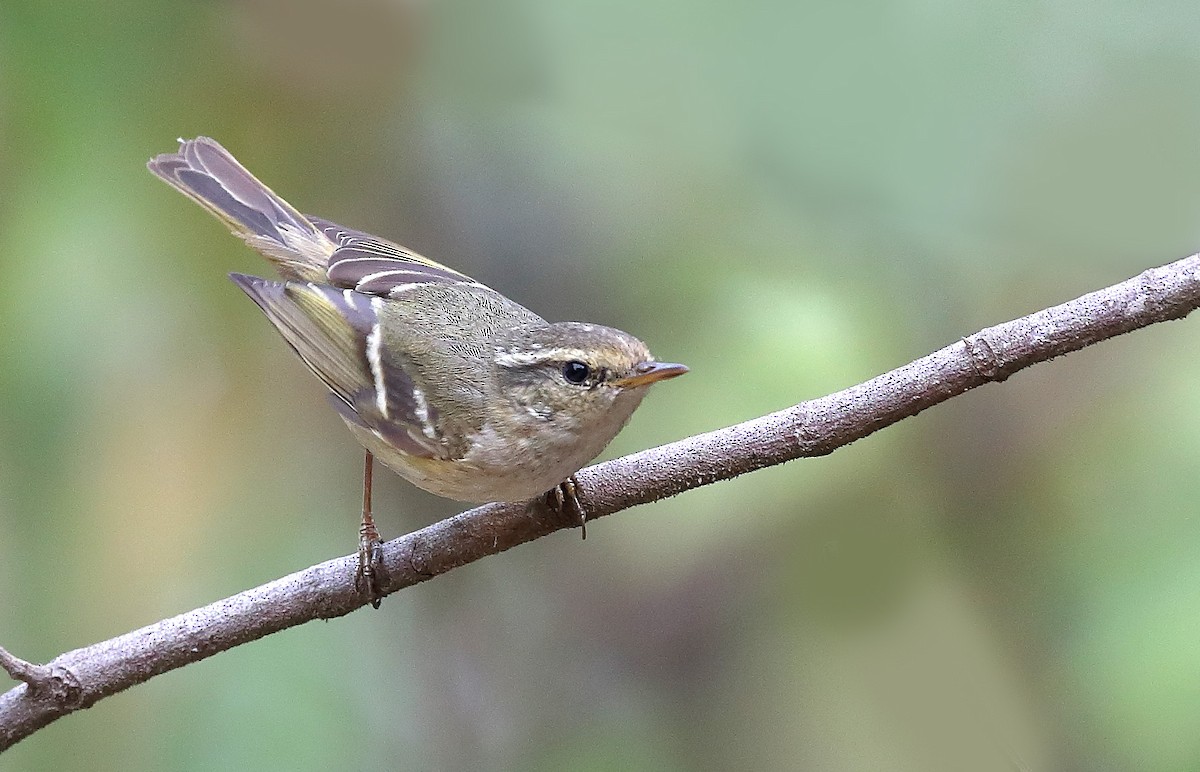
<point>524,358</point>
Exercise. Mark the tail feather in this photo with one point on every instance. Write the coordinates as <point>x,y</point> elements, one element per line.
<point>209,175</point>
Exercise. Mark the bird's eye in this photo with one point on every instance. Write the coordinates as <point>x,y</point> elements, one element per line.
<point>576,372</point>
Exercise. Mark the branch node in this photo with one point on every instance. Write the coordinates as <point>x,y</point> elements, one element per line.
<point>983,358</point>
<point>418,558</point>
<point>809,443</point>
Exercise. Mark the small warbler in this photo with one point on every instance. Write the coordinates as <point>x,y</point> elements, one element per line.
<point>456,388</point>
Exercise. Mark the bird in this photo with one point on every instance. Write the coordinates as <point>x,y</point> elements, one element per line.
<point>452,385</point>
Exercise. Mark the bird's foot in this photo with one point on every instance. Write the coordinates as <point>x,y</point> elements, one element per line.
<point>370,575</point>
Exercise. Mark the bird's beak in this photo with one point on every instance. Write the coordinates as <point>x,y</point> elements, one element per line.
<point>646,373</point>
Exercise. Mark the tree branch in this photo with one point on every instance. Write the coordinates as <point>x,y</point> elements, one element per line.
<point>79,678</point>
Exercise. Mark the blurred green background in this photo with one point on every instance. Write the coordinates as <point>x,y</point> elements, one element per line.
<point>788,197</point>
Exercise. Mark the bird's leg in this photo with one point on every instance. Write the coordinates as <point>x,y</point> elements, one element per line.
<point>369,576</point>
<point>564,497</point>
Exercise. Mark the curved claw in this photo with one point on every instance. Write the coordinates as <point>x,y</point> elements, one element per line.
<point>564,498</point>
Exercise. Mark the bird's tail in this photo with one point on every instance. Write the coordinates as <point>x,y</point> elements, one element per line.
<point>209,175</point>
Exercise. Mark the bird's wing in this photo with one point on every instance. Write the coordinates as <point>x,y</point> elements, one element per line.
<point>336,332</point>
<point>380,267</point>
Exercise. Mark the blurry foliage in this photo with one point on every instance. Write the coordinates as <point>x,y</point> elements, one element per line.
<point>790,198</point>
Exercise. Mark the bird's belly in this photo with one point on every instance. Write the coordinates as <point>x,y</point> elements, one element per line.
<point>492,470</point>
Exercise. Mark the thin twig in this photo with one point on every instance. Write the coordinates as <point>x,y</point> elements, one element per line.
<point>813,428</point>
<point>54,684</point>
<point>20,670</point>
